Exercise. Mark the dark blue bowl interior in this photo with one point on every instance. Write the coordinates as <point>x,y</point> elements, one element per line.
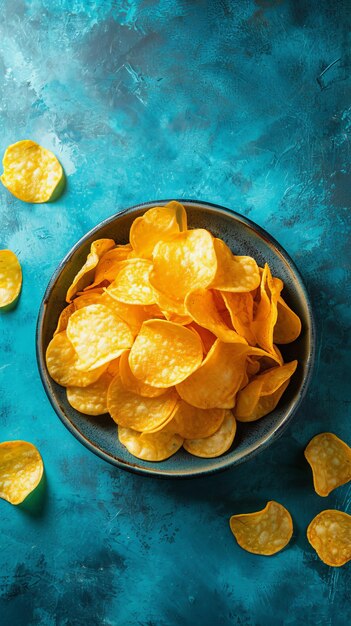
<point>244,237</point>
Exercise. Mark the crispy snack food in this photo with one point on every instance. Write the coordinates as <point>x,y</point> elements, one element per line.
<point>10,279</point>
<point>173,334</point>
<point>330,460</point>
<point>329,534</point>
<point>21,469</point>
<point>264,532</point>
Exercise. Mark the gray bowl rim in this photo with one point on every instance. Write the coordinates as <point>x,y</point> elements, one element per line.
<point>272,437</point>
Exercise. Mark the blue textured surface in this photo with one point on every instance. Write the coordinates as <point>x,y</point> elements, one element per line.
<point>216,100</point>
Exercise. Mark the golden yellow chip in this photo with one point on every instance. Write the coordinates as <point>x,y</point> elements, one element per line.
<point>216,444</point>
<point>264,532</point>
<point>85,275</point>
<point>138,412</point>
<point>329,534</point>
<point>91,400</point>
<point>185,262</point>
<point>109,265</point>
<point>21,470</point>
<point>61,361</point>
<point>193,423</point>
<point>158,223</point>
<point>263,393</point>
<point>200,304</point>
<point>132,314</point>
<point>169,306</point>
<point>215,383</point>
<point>288,325</point>
<point>97,335</point>
<point>265,310</point>
<point>64,317</point>
<point>207,338</point>
<point>10,279</point>
<point>132,284</point>
<point>156,446</point>
<point>234,273</point>
<point>88,297</point>
<point>113,367</point>
<point>330,460</point>
<point>164,353</point>
<point>134,384</point>
<point>32,173</point>
<point>240,307</point>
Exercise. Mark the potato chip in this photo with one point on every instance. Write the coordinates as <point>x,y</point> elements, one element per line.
<point>134,384</point>
<point>91,400</point>
<point>263,393</point>
<point>164,353</point>
<point>185,262</point>
<point>10,279</point>
<point>207,338</point>
<point>330,460</point>
<point>288,325</point>
<point>150,446</point>
<point>200,304</point>
<point>21,470</point>
<point>32,173</point>
<point>252,366</point>
<point>158,223</point>
<point>132,314</point>
<point>240,307</point>
<point>234,273</point>
<point>215,383</point>
<point>109,265</point>
<point>193,423</point>
<point>264,532</point>
<point>61,361</point>
<point>329,534</point>
<point>138,412</point>
<point>132,284</point>
<point>113,367</point>
<point>216,444</point>
<point>97,335</point>
<point>64,317</point>
<point>86,274</point>
<point>265,310</point>
<point>88,297</point>
<point>169,306</point>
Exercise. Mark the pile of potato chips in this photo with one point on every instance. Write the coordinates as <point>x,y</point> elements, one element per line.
<point>174,336</point>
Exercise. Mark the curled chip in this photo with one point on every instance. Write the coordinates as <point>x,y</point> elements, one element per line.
<point>10,279</point>
<point>185,262</point>
<point>266,312</point>
<point>330,460</point>
<point>61,361</point>
<point>86,274</point>
<point>329,534</point>
<point>164,353</point>
<point>201,305</point>
<point>216,444</point>
<point>288,325</point>
<point>263,393</point>
<point>21,470</point>
<point>158,223</point>
<point>156,446</point>
<point>91,400</point>
<point>234,273</point>
<point>97,335</point>
<point>64,317</point>
<point>109,265</point>
<point>132,284</point>
<point>134,384</point>
<point>32,173</point>
<point>215,383</point>
<point>138,412</point>
<point>193,423</point>
<point>240,307</point>
<point>264,532</point>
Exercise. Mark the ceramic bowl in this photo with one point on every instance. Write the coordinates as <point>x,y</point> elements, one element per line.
<point>244,237</point>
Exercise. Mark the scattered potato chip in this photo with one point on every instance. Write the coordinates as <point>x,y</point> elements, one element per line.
<point>132,284</point>
<point>240,307</point>
<point>263,393</point>
<point>61,361</point>
<point>288,325</point>
<point>158,223</point>
<point>193,423</point>
<point>329,534</point>
<point>109,265</point>
<point>164,353</point>
<point>32,173</point>
<point>138,412</point>
<point>64,317</point>
<point>183,263</point>
<point>134,384</point>
<point>91,400</point>
<point>215,383</point>
<point>234,273</point>
<point>330,460</point>
<point>150,446</point>
<point>200,304</point>
<point>97,335</point>
<point>264,532</point>
<point>21,470</point>
<point>216,444</point>
<point>10,279</point>
<point>86,274</point>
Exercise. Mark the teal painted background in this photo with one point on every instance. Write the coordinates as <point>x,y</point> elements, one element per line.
<point>221,101</point>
